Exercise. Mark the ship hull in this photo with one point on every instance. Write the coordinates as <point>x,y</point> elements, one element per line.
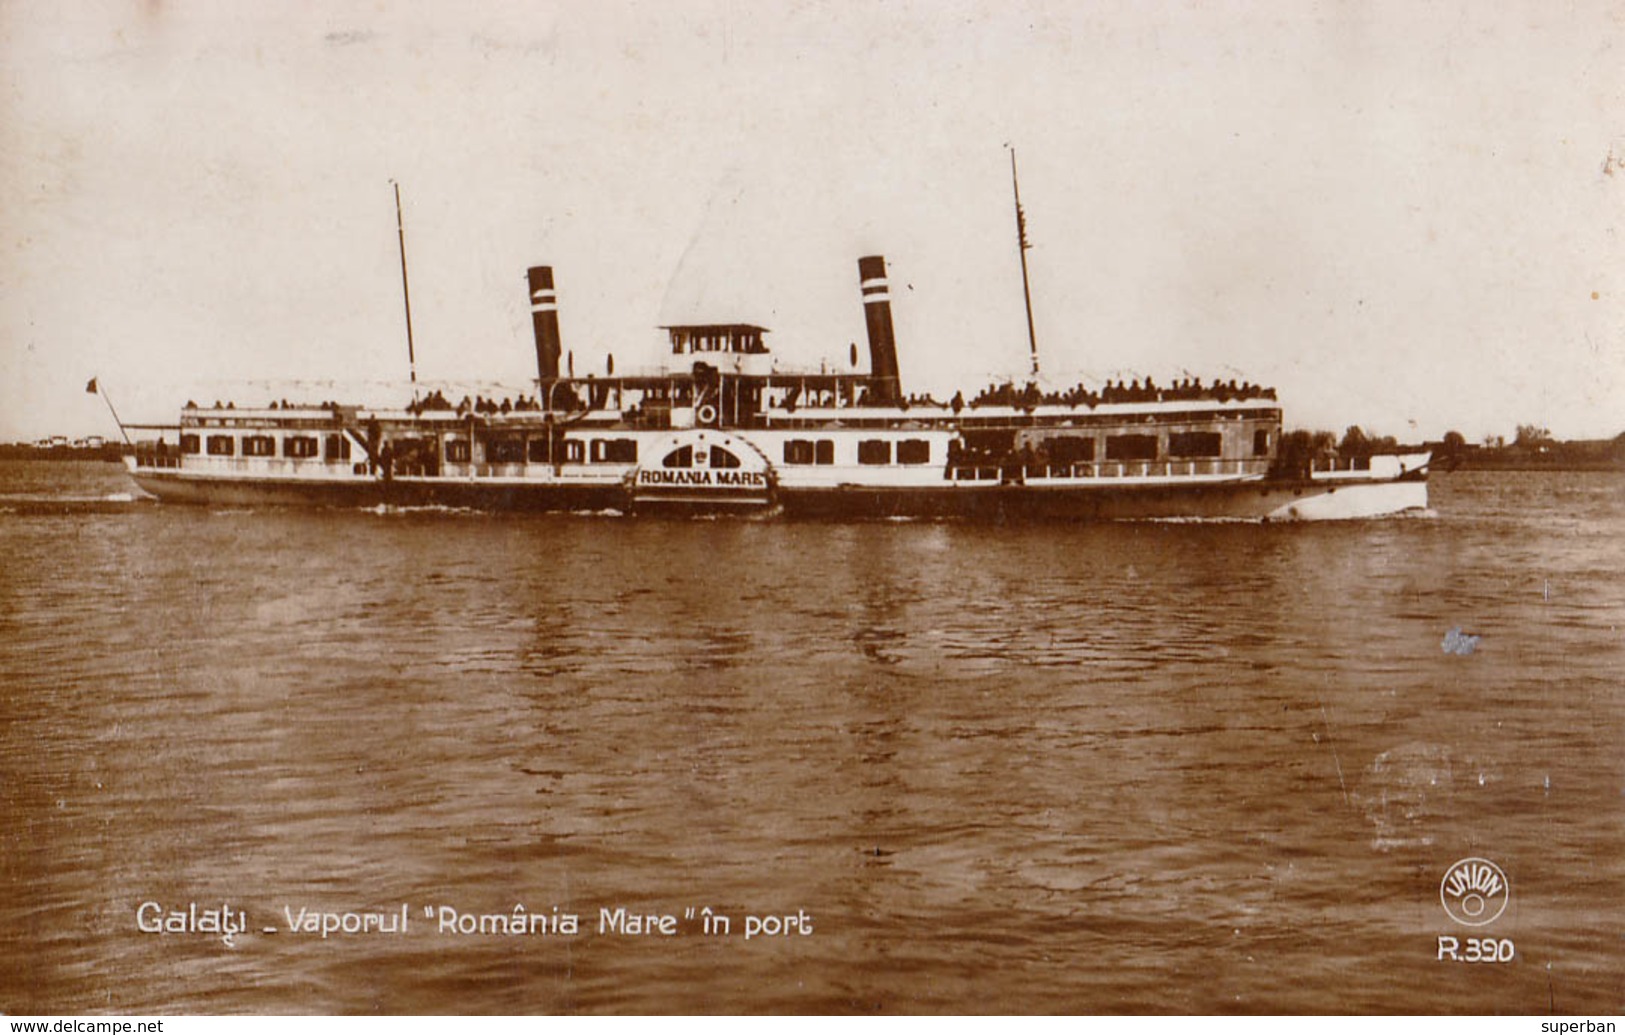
<point>174,487</point>
<point>1255,500</point>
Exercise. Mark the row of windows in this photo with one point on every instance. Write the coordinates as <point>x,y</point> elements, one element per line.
<point>575,451</point>
<point>572,451</point>
<point>797,451</point>
<point>1182,445</point>
<point>298,447</point>
<point>873,451</point>
<point>804,451</point>
<point>615,451</point>
<point>879,451</point>
<point>498,451</point>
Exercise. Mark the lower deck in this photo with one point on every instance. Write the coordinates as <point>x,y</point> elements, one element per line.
<point>1317,496</point>
<point>1222,461</point>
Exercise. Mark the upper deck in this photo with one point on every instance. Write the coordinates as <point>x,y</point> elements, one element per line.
<point>723,376</point>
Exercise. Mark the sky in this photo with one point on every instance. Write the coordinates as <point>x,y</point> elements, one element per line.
<point>1404,216</point>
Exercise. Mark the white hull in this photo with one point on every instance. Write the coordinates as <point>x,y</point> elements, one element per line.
<point>763,488</point>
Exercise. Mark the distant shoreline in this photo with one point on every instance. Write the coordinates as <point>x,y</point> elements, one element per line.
<point>112,453</point>
<point>1528,464</point>
<point>1547,455</point>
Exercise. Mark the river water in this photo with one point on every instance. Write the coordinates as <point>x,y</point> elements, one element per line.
<point>927,767</point>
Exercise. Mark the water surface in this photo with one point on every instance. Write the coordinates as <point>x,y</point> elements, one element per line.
<point>1109,768</point>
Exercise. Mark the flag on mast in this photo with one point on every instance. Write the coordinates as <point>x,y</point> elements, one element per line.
<point>92,388</point>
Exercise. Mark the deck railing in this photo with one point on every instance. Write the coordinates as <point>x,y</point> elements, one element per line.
<point>1105,469</point>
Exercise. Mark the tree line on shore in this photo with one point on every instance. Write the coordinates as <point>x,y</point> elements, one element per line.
<point>1532,447</point>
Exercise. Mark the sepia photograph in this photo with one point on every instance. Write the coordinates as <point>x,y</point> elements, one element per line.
<point>812,508</point>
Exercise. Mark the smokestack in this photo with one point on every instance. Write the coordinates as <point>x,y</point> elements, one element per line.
<point>877,314</point>
<point>544,315</point>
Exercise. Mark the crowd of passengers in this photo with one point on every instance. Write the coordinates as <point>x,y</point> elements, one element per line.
<point>1008,394</point>
<point>1030,396</point>
<point>434,401</point>
<point>274,404</point>
<point>437,401</point>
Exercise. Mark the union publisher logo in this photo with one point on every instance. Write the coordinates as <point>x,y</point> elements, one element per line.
<point>1474,892</point>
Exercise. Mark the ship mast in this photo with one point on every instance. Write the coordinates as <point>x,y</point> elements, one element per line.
<point>1021,246</point>
<point>406,292</point>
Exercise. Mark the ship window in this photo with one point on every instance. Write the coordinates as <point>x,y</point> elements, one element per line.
<point>538,450</point>
<point>259,445</point>
<point>338,447</point>
<point>573,451</point>
<point>914,451</point>
<point>457,451</point>
<point>301,446</point>
<point>1070,449</point>
<point>874,451</point>
<point>614,451</point>
<point>798,451</point>
<point>191,444</point>
<point>221,445</point>
<point>505,449</point>
<point>1131,447</point>
<point>722,458</point>
<point>1261,442</point>
<point>1194,443</point>
<point>824,451</point>
<point>679,458</point>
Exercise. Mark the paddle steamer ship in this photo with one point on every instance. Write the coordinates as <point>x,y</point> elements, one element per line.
<point>720,428</point>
